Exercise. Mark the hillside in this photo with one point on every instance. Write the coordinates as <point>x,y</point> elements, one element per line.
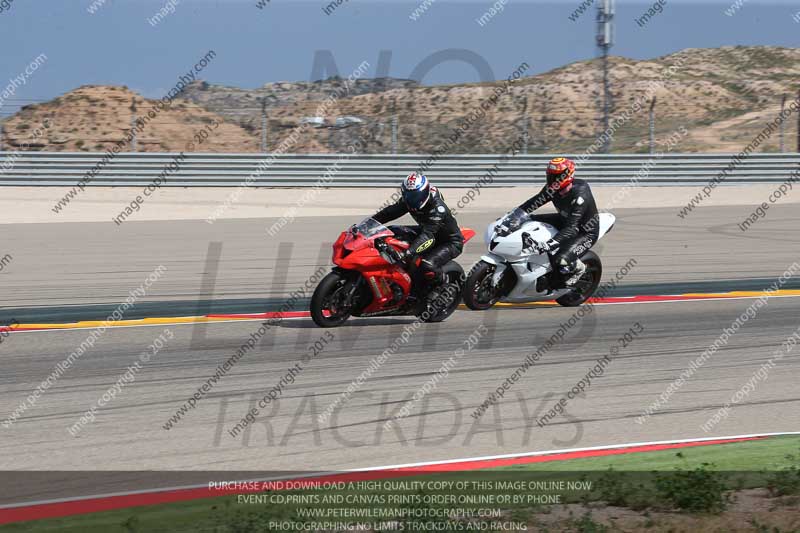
<point>95,118</point>
<point>722,96</point>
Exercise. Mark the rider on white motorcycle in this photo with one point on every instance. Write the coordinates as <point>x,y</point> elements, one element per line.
<point>577,218</point>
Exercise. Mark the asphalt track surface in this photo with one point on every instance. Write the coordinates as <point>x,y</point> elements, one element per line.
<point>63,272</point>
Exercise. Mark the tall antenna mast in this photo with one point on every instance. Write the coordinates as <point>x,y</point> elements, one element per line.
<point>605,40</point>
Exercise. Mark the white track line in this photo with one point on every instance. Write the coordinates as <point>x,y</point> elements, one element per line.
<point>405,465</point>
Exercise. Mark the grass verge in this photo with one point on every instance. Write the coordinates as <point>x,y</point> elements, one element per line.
<point>692,480</point>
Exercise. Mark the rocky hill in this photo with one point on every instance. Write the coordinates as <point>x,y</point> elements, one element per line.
<point>723,97</point>
<point>95,118</point>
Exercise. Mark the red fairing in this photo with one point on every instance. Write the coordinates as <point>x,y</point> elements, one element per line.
<point>338,247</point>
<point>402,245</point>
<point>467,233</point>
<point>358,253</point>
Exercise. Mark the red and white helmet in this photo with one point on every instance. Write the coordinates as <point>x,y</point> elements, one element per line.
<point>416,191</point>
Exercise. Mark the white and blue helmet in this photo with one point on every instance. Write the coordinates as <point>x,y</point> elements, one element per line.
<point>416,191</point>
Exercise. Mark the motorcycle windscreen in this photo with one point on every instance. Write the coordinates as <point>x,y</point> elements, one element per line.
<point>362,234</point>
<point>510,223</point>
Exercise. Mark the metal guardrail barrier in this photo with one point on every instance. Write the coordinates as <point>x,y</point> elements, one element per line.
<point>377,170</point>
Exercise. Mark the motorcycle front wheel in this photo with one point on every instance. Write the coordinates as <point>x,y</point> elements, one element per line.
<point>479,294</point>
<point>330,303</point>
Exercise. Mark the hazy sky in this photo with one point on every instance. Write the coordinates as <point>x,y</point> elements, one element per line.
<point>116,45</point>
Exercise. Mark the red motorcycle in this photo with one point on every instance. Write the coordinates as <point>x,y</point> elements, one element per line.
<point>370,280</point>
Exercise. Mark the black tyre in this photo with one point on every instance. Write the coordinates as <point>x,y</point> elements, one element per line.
<point>442,301</point>
<point>330,303</point>
<point>479,295</point>
<point>585,287</point>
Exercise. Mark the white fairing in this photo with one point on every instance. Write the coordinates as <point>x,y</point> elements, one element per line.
<point>607,220</point>
<point>507,252</point>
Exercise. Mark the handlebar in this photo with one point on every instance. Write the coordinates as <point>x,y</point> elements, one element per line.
<point>387,251</point>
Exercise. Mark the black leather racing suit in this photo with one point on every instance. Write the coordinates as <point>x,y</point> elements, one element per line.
<point>577,221</point>
<point>437,239</point>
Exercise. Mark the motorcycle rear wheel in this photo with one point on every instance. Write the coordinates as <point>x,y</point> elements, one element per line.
<point>442,302</point>
<point>587,285</point>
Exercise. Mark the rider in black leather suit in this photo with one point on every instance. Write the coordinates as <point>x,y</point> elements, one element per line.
<point>577,219</point>
<point>437,239</point>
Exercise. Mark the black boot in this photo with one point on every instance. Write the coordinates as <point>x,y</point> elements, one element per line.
<point>578,270</point>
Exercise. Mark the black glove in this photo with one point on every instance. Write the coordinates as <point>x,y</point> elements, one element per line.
<point>407,257</point>
<point>397,257</point>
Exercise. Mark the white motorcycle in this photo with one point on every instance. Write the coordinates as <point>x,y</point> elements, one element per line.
<point>516,270</point>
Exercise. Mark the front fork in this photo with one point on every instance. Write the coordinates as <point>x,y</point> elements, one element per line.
<point>500,267</point>
<point>356,280</point>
